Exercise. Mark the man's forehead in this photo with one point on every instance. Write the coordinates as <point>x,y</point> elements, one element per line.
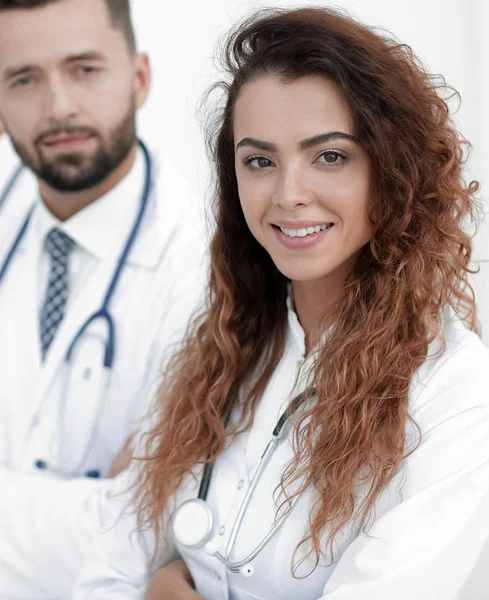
<point>56,22</point>
<point>47,36</point>
<point>96,11</point>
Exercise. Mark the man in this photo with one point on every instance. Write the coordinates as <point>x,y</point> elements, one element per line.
<point>82,341</point>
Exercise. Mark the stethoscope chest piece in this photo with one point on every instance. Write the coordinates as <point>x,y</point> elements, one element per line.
<point>193,523</point>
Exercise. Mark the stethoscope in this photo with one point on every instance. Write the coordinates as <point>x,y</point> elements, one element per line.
<point>102,314</point>
<point>193,521</point>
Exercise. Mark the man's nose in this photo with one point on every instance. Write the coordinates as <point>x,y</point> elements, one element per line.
<point>61,105</point>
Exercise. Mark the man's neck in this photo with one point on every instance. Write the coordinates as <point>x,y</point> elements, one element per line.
<point>64,205</point>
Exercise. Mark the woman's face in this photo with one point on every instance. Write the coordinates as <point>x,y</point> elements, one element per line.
<point>303,179</point>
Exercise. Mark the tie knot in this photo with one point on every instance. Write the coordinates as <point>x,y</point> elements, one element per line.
<point>58,244</point>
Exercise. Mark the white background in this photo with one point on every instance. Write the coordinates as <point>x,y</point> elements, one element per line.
<point>450,36</point>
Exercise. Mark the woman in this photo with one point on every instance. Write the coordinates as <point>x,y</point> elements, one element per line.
<point>338,284</point>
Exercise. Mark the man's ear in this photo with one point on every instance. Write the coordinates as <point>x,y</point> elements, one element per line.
<point>142,79</point>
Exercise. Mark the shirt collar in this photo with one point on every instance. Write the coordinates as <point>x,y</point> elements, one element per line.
<point>102,227</point>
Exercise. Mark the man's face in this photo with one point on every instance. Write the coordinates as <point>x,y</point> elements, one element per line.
<point>69,90</point>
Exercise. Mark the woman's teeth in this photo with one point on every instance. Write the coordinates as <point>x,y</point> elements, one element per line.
<point>306,231</point>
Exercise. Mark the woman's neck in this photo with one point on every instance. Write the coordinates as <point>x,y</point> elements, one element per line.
<point>312,301</point>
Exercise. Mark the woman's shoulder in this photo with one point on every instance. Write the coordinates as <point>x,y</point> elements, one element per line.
<point>454,377</point>
<point>458,349</point>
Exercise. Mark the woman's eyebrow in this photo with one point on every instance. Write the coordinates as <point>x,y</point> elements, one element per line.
<point>327,137</point>
<point>258,144</point>
<point>322,138</point>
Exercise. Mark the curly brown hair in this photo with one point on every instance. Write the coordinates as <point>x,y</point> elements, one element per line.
<point>415,265</point>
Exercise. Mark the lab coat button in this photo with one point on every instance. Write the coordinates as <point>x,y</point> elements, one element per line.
<point>222,530</point>
<point>218,575</point>
<point>240,484</point>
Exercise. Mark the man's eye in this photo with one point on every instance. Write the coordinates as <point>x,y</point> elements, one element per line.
<point>22,81</point>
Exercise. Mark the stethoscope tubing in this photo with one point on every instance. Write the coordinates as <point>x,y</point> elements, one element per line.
<point>10,184</point>
<point>15,245</point>
<point>265,459</point>
<point>103,313</point>
<point>236,566</point>
<point>243,566</point>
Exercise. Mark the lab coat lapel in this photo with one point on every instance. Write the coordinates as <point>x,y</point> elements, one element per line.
<point>84,305</point>
<point>156,232</point>
<point>21,330</point>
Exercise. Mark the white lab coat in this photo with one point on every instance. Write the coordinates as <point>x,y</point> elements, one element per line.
<point>159,288</point>
<point>430,523</point>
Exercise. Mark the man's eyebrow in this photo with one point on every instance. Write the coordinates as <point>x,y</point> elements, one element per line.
<point>89,55</point>
<point>12,72</point>
<point>323,138</point>
<point>258,144</point>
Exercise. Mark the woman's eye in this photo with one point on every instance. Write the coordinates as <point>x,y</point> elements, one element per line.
<point>258,162</point>
<point>331,157</point>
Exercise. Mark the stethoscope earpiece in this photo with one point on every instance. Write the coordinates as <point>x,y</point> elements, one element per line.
<point>247,571</point>
<point>211,549</point>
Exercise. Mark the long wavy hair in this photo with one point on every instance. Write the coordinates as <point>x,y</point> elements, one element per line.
<point>415,266</point>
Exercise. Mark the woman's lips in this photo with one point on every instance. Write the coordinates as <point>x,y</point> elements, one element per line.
<point>301,243</point>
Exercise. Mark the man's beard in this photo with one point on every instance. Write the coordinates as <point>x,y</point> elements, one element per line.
<point>75,171</point>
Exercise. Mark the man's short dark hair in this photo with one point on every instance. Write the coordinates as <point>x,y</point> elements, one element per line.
<point>119,11</point>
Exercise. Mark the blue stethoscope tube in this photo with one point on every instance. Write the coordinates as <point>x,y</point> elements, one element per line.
<point>10,184</point>
<point>103,313</point>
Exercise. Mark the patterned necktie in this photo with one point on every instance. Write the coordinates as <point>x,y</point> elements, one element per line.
<point>58,245</point>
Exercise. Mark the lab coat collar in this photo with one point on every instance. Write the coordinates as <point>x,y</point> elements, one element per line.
<point>102,228</point>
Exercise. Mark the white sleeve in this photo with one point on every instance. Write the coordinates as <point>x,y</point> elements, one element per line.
<point>42,533</point>
<point>118,562</point>
<point>426,546</point>
<point>120,559</point>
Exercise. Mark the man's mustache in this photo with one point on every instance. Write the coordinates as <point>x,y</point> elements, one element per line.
<point>65,130</point>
